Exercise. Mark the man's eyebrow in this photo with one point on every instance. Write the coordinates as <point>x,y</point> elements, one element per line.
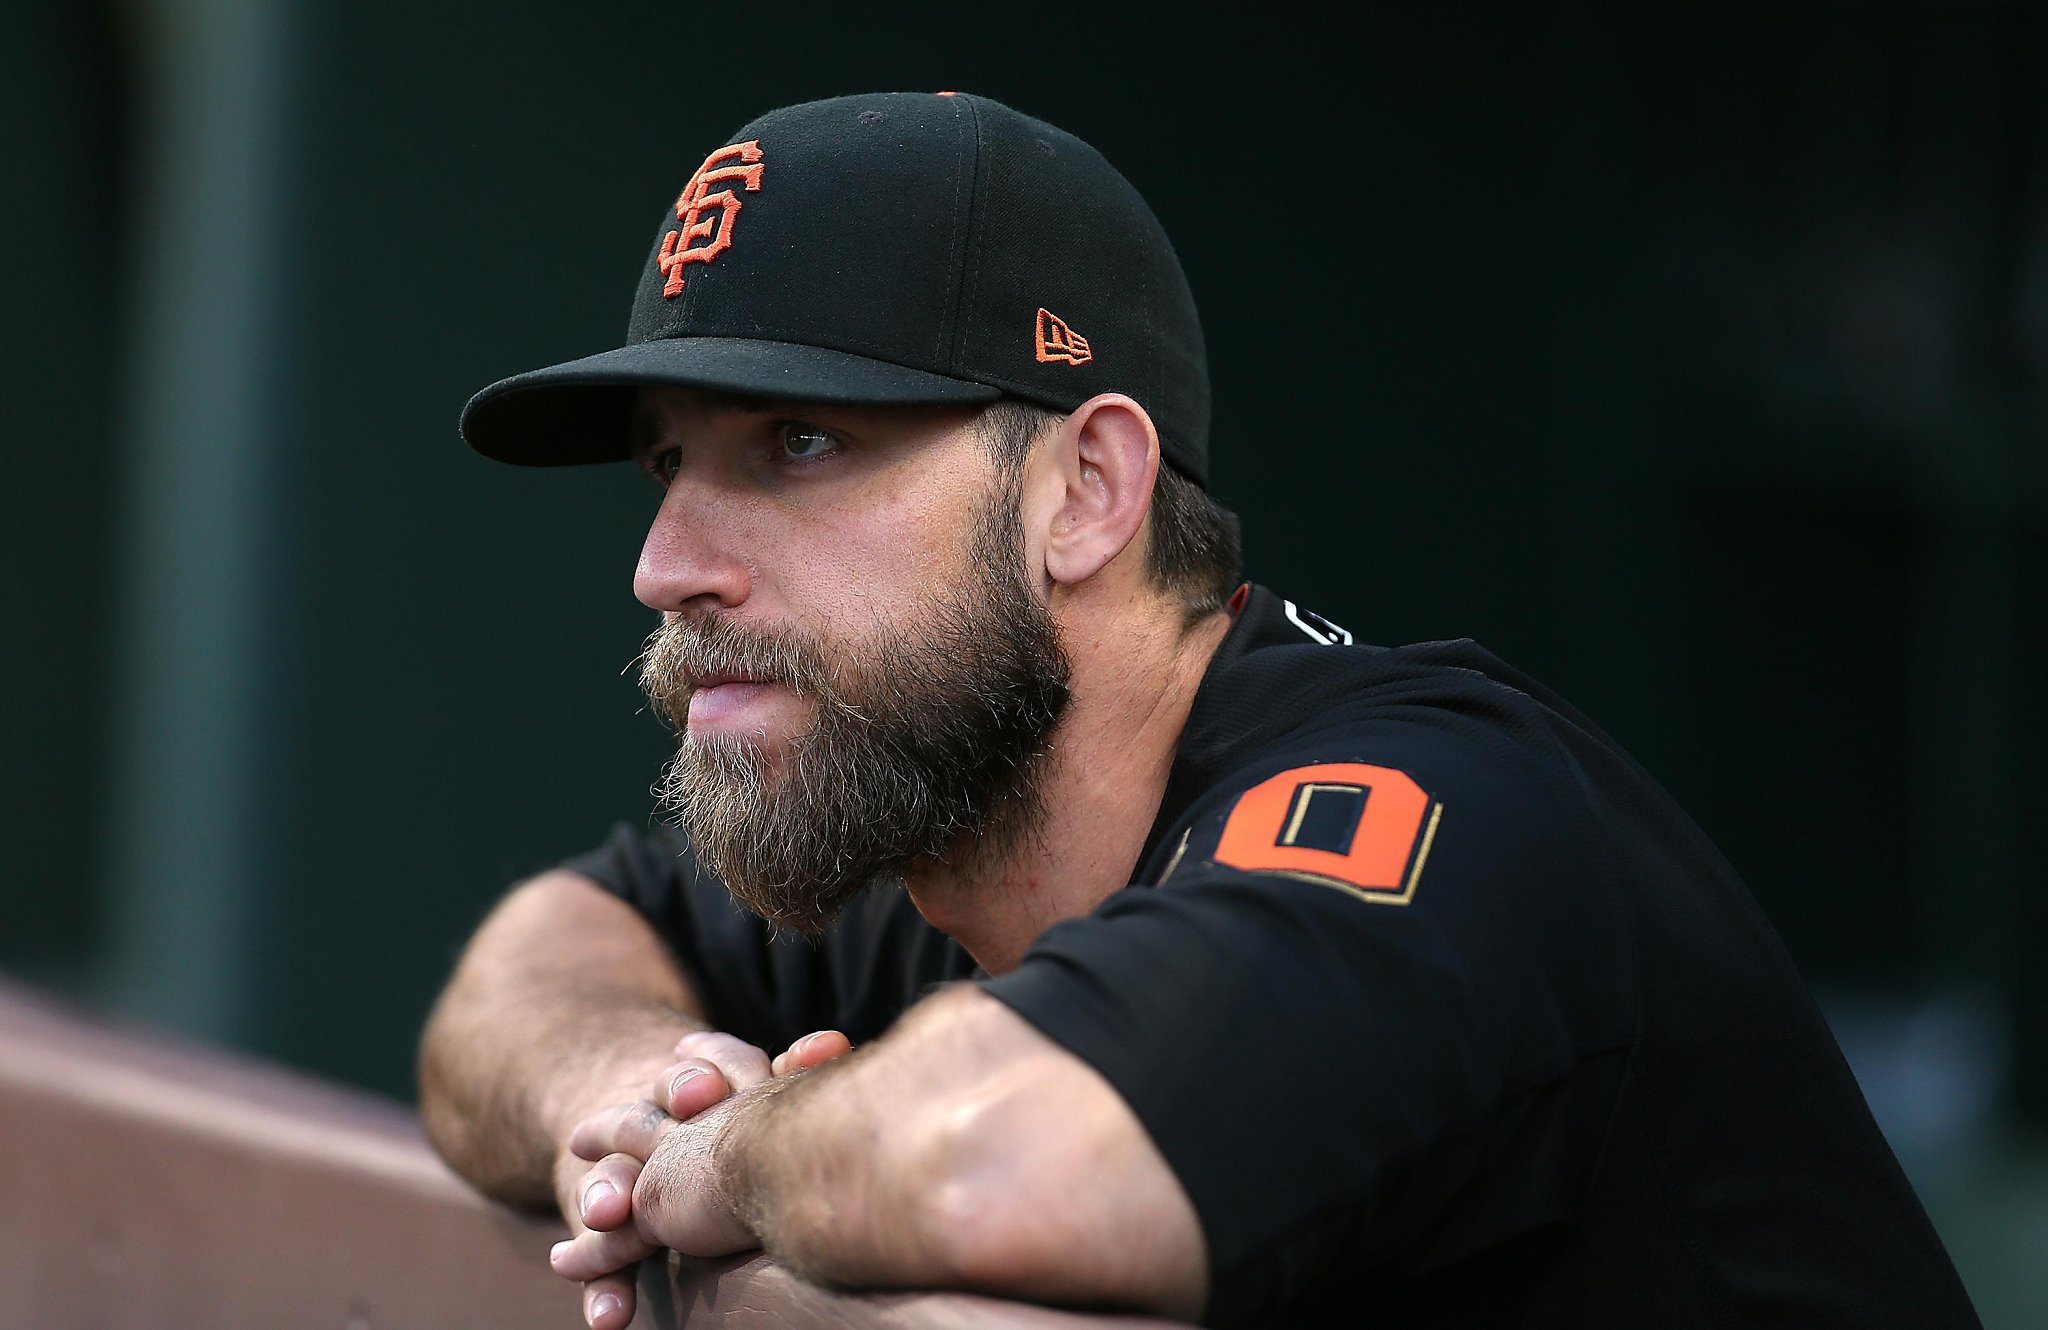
<point>770,406</point>
<point>642,434</point>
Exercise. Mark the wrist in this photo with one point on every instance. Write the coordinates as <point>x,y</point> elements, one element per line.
<point>734,1177</point>
<point>618,1075</point>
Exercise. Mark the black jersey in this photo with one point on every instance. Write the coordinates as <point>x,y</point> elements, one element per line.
<point>1440,1009</point>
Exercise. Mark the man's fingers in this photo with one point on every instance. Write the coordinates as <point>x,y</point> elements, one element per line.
<point>592,1255</point>
<point>690,1087</point>
<point>632,1129</point>
<point>812,1050</point>
<point>743,1065</point>
<point>608,1300</point>
<point>606,1198</point>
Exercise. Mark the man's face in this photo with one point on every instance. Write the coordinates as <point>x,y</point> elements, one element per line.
<point>850,648</point>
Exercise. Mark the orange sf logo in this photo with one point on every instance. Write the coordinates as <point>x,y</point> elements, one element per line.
<point>696,205</point>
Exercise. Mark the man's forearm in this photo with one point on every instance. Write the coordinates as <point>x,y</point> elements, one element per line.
<point>563,1002</point>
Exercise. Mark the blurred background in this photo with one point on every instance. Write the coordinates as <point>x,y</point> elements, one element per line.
<point>1693,356</point>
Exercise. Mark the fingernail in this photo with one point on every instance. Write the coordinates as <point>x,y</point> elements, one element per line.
<point>803,1045</point>
<point>683,1078</point>
<point>603,1305</point>
<point>597,1191</point>
<point>557,1252</point>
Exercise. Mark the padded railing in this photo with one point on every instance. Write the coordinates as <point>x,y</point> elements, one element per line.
<point>149,1184</point>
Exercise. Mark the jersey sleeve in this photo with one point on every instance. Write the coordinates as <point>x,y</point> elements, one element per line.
<point>1370,981</point>
<point>771,987</point>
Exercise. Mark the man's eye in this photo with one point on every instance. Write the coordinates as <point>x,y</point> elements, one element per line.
<point>806,441</point>
<point>661,468</point>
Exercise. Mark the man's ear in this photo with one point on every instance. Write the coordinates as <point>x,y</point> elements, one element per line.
<point>1106,456</point>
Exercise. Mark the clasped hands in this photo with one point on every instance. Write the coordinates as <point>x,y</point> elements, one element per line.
<point>654,1180</point>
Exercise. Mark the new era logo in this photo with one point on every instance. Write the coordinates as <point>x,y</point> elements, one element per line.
<point>1056,341</point>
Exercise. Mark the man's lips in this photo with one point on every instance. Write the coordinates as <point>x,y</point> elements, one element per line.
<point>729,702</point>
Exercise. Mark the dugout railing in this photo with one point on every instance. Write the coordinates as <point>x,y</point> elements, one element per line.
<point>156,1185</point>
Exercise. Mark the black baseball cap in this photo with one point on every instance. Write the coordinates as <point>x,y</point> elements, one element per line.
<point>887,249</point>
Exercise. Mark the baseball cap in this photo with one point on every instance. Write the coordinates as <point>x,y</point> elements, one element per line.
<point>887,249</point>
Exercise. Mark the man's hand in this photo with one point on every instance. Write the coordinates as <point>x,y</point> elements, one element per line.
<point>624,1219</point>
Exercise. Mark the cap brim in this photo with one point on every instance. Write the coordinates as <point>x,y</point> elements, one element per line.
<point>579,411</point>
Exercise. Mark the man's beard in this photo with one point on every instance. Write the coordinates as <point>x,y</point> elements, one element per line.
<point>928,744</point>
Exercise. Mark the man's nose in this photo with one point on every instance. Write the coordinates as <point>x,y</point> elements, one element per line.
<point>689,555</point>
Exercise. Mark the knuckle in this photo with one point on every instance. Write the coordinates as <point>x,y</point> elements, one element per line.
<point>745,1060</point>
<point>725,1048</point>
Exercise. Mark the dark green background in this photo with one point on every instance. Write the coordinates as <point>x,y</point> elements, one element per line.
<point>1694,357</point>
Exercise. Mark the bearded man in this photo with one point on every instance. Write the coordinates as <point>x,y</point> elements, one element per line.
<point>1198,960</point>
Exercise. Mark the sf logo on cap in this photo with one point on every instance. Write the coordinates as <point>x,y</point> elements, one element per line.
<point>696,206</point>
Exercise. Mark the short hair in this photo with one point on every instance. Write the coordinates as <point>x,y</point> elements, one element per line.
<point>1192,548</point>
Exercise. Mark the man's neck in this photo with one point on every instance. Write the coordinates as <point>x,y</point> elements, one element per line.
<point>1102,784</point>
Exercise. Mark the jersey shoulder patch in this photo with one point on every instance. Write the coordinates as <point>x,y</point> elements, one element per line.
<point>1362,829</point>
